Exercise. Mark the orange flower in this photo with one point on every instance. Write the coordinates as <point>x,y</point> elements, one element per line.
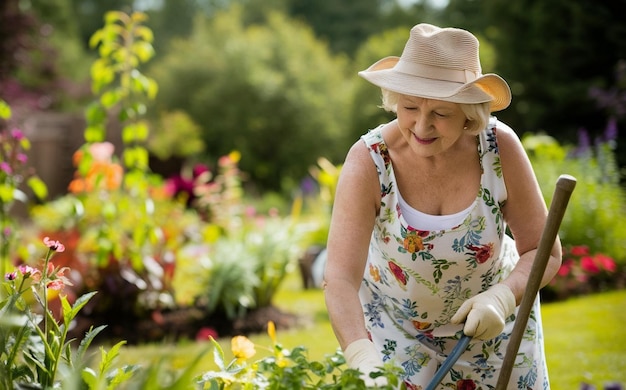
<point>375,273</point>
<point>413,243</point>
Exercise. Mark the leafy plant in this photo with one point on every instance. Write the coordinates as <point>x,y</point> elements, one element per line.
<point>596,215</point>
<point>284,368</point>
<point>33,343</point>
<point>14,172</point>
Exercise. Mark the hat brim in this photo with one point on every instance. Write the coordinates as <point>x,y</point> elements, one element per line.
<point>486,88</point>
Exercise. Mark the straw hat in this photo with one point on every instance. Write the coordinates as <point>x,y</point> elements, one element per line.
<point>442,64</point>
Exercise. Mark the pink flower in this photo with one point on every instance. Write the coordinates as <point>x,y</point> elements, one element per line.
<point>11,276</point>
<point>27,270</point>
<point>54,245</point>
<point>605,262</point>
<point>588,265</point>
<point>56,284</point>
<point>17,134</point>
<point>6,168</point>
<point>579,250</point>
<point>102,151</point>
<point>566,268</point>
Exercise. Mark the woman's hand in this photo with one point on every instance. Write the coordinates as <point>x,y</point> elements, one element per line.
<point>485,314</point>
<point>362,355</point>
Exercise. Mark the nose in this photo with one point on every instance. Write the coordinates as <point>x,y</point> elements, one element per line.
<point>423,124</point>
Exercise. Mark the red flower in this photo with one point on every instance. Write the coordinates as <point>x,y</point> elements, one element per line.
<point>482,253</point>
<point>579,250</point>
<point>205,333</point>
<point>411,386</point>
<point>465,384</point>
<point>400,275</point>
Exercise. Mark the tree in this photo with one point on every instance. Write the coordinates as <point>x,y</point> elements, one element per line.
<point>272,92</point>
<point>343,24</point>
<point>551,53</point>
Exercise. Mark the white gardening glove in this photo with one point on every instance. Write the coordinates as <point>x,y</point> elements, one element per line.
<point>362,355</point>
<point>485,314</point>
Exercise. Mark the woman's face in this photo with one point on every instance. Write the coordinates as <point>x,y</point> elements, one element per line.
<point>430,126</point>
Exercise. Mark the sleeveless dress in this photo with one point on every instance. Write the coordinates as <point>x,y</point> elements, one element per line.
<point>417,278</point>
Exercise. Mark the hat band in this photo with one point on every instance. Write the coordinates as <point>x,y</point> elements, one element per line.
<point>436,72</point>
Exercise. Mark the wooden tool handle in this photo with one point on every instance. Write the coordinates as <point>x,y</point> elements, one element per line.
<point>564,187</point>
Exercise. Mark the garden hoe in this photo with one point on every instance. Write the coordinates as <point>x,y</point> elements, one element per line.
<point>564,188</point>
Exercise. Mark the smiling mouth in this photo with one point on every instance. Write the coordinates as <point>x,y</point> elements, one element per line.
<point>424,141</point>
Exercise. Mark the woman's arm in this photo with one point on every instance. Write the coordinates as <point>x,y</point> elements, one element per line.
<point>525,211</point>
<point>357,200</point>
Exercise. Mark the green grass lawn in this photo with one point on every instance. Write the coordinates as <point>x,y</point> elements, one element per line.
<point>585,337</point>
<point>586,340</point>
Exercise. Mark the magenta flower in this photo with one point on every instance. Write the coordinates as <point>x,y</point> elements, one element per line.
<point>11,276</point>
<point>17,134</point>
<point>54,245</point>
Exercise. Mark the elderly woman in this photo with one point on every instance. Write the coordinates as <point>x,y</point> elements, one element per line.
<point>436,221</point>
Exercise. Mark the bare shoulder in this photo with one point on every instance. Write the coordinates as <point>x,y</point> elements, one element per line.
<point>359,177</point>
<point>359,165</point>
<point>507,137</point>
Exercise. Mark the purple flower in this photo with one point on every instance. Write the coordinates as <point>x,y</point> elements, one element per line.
<point>610,133</point>
<point>11,276</point>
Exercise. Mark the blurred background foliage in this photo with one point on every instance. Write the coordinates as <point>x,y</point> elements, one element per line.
<point>276,82</point>
<point>277,79</point>
<point>257,103</point>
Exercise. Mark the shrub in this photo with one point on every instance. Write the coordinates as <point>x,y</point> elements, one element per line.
<point>596,216</point>
<point>582,273</point>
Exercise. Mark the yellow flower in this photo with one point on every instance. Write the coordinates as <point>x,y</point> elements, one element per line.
<point>271,331</point>
<point>242,347</point>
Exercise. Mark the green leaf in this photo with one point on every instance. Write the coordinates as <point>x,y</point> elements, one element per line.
<point>6,193</point>
<point>38,186</point>
<point>141,131</point>
<point>218,355</point>
<point>144,33</point>
<point>143,50</point>
<point>110,98</point>
<point>115,16</point>
<point>95,39</point>
<point>94,113</point>
<point>95,133</point>
<point>5,110</point>
<point>89,377</point>
<point>69,312</point>
<point>86,342</point>
<point>128,133</point>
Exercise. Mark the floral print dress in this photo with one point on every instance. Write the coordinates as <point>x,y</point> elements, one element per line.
<point>416,279</point>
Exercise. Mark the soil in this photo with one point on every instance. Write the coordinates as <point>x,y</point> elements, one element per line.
<point>186,323</point>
